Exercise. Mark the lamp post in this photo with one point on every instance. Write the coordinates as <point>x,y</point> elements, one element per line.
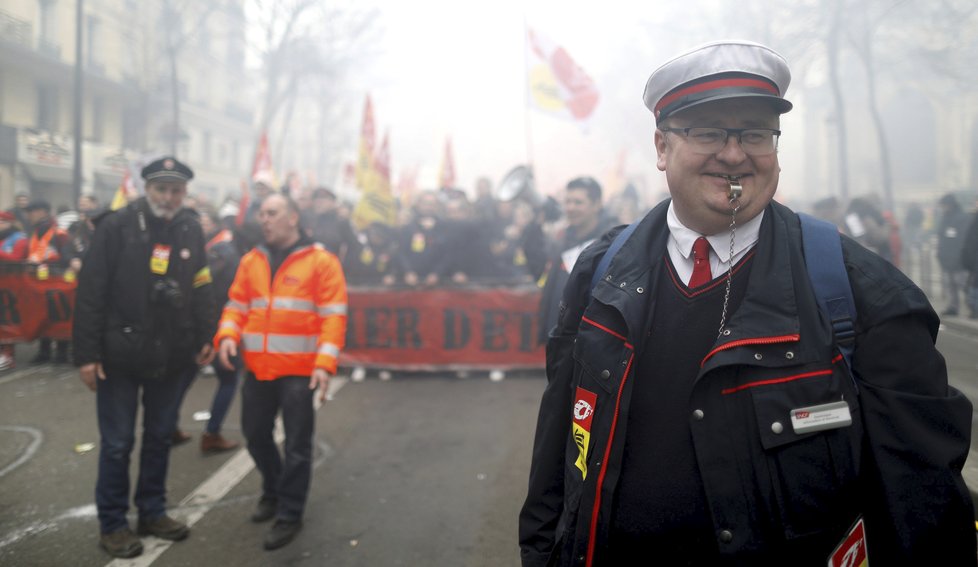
<point>76,173</point>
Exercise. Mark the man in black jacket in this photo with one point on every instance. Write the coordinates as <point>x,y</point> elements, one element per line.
<point>144,319</point>
<point>698,411</point>
<point>951,233</point>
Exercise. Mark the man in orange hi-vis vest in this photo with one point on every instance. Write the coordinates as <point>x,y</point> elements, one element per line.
<point>287,309</point>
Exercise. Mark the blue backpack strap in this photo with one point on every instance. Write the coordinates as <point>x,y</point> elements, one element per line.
<point>827,272</point>
<point>616,245</point>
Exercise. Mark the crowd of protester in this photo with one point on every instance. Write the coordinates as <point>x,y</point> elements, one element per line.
<point>944,232</point>
<point>441,237</point>
<point>445,238</point>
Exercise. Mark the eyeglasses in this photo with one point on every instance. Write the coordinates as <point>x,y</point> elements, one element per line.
<point>754,141</point>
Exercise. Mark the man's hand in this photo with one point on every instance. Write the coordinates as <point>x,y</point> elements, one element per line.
<point>90,373</point>
<point>206,355</point>
<point>228,349</point>
<point>319,379</point>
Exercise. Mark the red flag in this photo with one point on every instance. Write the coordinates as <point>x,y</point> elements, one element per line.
<point>446,177</point>
<point>261,169</point>
<point>263,158</point>
<point>556,83</point>
<point>243,205</point>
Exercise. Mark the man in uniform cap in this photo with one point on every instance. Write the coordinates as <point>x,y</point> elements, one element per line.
<point>144,318</point>
<point>697,410</point>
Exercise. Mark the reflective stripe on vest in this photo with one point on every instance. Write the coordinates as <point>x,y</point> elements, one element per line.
<point>282,344</point>
<point>329,349</point>
<point>259,303</point>
<point>235,306</point>
<point>293,304</point>
<point>230,325</point>
<point>332,309</point>
<point>292,344</point>
<point>253,342</point>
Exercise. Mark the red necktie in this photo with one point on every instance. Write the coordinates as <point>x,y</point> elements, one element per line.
<point>701,263</point>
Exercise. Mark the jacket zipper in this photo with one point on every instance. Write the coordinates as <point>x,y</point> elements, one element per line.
<point>607,454</point>
<point>758,341</point>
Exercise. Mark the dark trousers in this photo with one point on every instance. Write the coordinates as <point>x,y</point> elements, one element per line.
<point>285,479</point>
<point>227,384</point>
<point>117,402</point>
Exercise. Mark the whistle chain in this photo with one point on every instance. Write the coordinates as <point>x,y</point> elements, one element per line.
<point>735,191</point>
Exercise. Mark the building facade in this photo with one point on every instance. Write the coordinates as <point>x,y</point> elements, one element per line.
<point>130,50</point>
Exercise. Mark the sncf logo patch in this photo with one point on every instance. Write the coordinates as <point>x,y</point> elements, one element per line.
<point>584,402</point>
<point>291,280</point>
<point>582,410</point>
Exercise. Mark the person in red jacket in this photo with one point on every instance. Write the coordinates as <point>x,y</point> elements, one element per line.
<point>287,309</point>
<point>13,248</point>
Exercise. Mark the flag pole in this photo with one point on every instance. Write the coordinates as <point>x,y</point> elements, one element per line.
<point>527,129</point>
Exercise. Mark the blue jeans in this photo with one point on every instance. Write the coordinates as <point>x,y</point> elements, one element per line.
<point>286,480</point>
<point>117,402</point>
<point>226,386</point>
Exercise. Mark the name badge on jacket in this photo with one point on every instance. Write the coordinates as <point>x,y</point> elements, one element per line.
<point>821,417</point>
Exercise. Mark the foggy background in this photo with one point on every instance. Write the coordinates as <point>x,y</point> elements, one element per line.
<point>884,91</point>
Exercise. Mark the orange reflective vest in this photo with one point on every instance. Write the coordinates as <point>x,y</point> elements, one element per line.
<point>292,325</point>
<point>40,249</point>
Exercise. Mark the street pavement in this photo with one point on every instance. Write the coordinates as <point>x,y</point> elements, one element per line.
<point>418,470</point>
<point>424,469</point>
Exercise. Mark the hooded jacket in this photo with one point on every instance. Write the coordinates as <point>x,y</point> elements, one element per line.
<point>774,496</point>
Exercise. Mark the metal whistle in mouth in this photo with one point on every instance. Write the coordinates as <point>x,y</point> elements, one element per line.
<point>736,189</point>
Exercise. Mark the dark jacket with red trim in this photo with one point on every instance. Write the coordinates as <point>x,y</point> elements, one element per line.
<point>775,496</point>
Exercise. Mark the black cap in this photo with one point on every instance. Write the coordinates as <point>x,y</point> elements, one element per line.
<point>38,204</point>
<point>167,169</point>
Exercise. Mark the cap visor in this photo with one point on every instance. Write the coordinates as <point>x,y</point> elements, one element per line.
<point>780,105</point>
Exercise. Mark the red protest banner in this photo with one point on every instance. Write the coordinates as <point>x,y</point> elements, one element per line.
<point>35,304</point>
<point>458,328</point>
<point>443,328</point>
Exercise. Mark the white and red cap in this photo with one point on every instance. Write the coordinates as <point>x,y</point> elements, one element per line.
<point>717,71</point>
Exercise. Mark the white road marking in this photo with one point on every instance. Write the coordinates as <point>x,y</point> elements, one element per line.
<point>37,527</point>
<point>208,493</point>
<point>35,444</point>
<point>26,372</point>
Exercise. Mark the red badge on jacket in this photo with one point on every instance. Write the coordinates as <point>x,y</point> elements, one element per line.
<point>584,404</point>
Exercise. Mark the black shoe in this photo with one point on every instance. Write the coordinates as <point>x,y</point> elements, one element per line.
<point>265,510</point>
<point>121,543</point>
<point>282,533</point>
<point>61,357</point>
<point>163,527</point>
